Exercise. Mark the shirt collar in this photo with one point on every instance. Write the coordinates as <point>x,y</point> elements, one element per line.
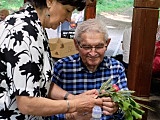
<point>105,64</point>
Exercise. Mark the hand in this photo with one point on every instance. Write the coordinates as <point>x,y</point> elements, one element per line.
<point>86,103</point>
<point>93,93</point>
<point>109,107</point>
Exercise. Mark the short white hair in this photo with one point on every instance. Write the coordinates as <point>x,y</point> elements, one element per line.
<point>89,26</point>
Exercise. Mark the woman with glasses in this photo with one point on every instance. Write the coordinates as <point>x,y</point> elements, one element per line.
<point>26,90</point>
<point>89,69</point>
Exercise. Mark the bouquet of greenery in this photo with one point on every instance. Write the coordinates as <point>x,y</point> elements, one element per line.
<point>125,99</point>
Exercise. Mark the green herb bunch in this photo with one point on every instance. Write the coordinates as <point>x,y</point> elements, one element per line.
<point>126,101</point>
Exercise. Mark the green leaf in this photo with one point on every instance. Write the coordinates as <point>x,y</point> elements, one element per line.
<point>105,94</point>
<point>128,115</point>
<point>129,92</point>
<point>126,105</point>
<point>105,84</point>
<point>134,103</point>
<point>115,97</point>
<point>139,111</point>
<point>136,115</point>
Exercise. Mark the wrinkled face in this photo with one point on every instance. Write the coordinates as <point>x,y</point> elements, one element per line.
<point>92,49</point>
<point>58,14</point>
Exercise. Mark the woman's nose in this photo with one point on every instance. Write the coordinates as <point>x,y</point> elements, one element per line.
<point>68,18</point>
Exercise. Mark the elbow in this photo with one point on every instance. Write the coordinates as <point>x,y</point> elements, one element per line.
<point>24,109</point>
<point>24,105</point>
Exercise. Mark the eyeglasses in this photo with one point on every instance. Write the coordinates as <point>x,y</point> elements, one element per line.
<point>89,48</point>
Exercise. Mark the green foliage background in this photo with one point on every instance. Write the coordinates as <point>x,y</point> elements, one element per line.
<point>113,5</point>
<point>11,4</point>
<point>102,5</point>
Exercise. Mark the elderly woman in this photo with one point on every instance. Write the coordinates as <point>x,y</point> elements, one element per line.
<point>3,14</point>
<point>26,64</point>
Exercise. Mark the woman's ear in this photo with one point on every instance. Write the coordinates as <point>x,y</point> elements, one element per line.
<point>50,2</point>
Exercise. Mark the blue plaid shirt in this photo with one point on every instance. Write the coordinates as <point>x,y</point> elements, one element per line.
<point>72,75</point>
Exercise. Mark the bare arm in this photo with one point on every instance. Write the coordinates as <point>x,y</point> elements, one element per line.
<point>39,106</point>
<point>57,93</point>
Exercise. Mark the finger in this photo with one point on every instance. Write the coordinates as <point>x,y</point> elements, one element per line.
<point>107,99</point>
<point>110,108</point>
<point>106,113</point>
<point>90,92</point>
<point>109,104</point>
<point>99,102</point>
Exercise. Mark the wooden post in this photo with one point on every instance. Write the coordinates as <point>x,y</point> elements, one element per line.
<point>144,28</point>
<point>90,10</point>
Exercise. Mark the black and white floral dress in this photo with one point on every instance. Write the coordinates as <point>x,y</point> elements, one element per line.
<point>25,62</point>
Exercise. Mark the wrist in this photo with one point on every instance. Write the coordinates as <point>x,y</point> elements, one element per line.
<point>66,96</point>
<point>68,106</point>
<point>69,96</point>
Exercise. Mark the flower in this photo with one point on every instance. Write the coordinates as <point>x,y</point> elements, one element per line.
<point>115,87</point>
<point>131,109</point>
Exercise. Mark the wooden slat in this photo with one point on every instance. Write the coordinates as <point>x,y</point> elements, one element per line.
<point>90,10</point>
<point>147,3</point>
<point>144,28</point>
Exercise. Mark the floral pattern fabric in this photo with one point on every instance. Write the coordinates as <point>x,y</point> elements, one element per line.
<point>25,62</point>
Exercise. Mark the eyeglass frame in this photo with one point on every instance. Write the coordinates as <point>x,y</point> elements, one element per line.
<point>91,47</point>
